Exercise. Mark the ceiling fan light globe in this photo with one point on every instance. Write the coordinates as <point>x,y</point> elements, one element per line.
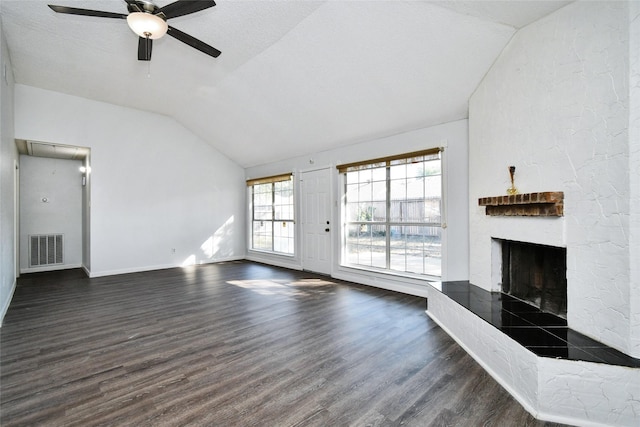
<point>147,25</point>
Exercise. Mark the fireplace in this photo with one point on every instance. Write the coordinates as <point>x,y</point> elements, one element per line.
<point>535,274</point>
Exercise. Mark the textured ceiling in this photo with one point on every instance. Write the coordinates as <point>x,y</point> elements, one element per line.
<point>294,78</point>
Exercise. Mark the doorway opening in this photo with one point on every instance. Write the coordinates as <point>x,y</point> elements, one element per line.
<point>53,205</point>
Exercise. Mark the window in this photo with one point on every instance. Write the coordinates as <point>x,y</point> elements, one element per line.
<point>272,221</point>
<point>392,213</point>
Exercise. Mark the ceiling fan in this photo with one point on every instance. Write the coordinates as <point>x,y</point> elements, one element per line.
<point>149,22</point>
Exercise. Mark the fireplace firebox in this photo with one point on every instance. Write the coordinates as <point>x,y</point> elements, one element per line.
<point>536,274</point>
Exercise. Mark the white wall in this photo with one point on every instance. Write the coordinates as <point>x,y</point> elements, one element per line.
<point>451,135</point>
<point>556,105</point>
<point>8,157</point>
<point>59,183</point>
<point>155,187</point>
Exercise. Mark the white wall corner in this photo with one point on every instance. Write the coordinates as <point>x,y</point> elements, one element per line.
<point>634,173</point>
<point>7,302</point>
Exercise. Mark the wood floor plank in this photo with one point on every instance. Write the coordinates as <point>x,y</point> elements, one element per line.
<point>234,344</point>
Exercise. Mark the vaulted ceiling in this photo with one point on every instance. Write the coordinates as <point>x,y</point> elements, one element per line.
<point>295,77</point>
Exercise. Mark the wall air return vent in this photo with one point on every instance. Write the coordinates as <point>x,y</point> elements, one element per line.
<point>46,249</point>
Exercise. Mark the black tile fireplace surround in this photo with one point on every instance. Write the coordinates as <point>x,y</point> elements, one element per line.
<point>544,334</point>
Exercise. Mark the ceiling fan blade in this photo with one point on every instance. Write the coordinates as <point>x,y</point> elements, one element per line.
<point>193,42</point>
<point>185,7</point>
<point>86,12</point>
<point>144,48</point>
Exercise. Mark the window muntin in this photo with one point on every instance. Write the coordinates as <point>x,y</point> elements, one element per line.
<point>392,214</point>
<point>272,214</point>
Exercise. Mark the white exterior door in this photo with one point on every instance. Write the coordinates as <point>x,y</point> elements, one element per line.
<point>316,221</point>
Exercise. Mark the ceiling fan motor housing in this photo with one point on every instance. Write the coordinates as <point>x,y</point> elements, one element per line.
<point>142,6</point>
<point>148,6</point>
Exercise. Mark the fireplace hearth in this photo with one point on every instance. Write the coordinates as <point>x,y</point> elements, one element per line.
<point>543,334</point>
<point>536,274</point>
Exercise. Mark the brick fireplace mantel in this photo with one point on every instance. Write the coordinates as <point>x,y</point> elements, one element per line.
<point>545,204</point>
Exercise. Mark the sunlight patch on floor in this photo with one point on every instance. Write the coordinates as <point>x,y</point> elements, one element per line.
<point>272,287</point>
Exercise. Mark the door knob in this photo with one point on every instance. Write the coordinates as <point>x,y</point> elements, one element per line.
<point>326,229</point>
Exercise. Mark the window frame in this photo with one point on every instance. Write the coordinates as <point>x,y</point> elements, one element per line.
<point>273,220</point>
<point>389,223</point>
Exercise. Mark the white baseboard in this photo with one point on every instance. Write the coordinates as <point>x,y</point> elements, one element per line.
<point>405,285</point>
<point>278,261</point>
<point>216,261</point>
<point>93,274</point>
<point>50,268</point>
<point>389,283</point>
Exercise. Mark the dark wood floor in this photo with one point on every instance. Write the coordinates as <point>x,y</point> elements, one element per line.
<point>234,344</point>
